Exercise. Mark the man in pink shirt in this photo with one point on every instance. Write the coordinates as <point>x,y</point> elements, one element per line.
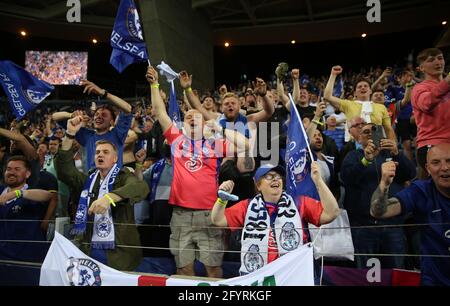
<point>430,101</point>
<point>196,162</point>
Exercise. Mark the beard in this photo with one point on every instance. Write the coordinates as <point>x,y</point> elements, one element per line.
<point>316,148</point>
<point>13,182</point>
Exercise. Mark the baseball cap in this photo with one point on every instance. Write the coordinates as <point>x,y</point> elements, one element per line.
<point>261,171</point>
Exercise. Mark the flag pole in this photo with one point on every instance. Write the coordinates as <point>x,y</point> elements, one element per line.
<point>138,9</point>
<point>301,126</point>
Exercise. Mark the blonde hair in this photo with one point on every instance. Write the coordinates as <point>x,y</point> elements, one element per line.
<point>230,95</point>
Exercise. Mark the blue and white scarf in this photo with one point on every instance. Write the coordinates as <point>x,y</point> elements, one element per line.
<point>240,124</point>
<point>287,227</point>
<point>103,233</point>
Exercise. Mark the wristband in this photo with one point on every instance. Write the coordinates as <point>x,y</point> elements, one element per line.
<point>317,122</point>
<point>18,194</point>
<point>70,136</point>
<point>156,85</point>
<point>111,201</point>
<point>221,202</point>
<point>365,162</point>
<point>139,165</point>
<point>189,89</point>
<point>105,94</point>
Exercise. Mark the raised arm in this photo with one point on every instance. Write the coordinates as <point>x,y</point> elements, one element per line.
<point>328,91</point>
<point>158,105</point>
<point>64,164</point>
<point>21,142</point>
<point>268,107</point>
<point>329,203</point>
<point>218,212</point>
<point>407,97</point>
<point>381,206</point>
<point>239,141</point>
<point>282,95</point>
<point>192,98</point>
<point>295,73</point>
<point>140,157</point>
<point>320,109</point>
<point>92,88</point>
<point>58,116</point>
<point>48,126</point>
<point>386,73</point>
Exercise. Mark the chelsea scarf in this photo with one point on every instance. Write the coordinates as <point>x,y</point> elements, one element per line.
<point>103,233</point>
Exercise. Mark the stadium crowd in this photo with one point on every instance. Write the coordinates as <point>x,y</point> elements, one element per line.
<point>126,175</point>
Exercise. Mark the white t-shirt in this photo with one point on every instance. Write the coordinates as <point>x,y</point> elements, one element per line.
<point>340,117</point>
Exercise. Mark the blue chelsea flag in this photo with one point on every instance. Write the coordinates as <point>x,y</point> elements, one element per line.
<point>298,161</point>
<point>24,90</point>
<point>127,39</point>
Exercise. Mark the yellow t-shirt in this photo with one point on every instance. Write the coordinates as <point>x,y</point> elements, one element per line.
<point>352,109</point>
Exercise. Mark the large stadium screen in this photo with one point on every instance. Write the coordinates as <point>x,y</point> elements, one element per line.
<point>57,67</point>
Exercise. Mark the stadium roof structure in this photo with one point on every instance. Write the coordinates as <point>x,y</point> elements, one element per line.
<point>242,22</point>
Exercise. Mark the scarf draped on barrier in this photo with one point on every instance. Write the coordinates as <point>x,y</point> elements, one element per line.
<point>287,228</point>
<point>103,233</point>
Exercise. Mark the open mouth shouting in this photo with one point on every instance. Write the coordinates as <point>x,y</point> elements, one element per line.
<point>275,185</point>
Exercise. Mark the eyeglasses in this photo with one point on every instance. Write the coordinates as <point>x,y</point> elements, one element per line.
<point>271,176</point>
<point>369,131</point>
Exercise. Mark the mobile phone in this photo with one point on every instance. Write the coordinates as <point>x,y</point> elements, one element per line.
<point>377,135</point>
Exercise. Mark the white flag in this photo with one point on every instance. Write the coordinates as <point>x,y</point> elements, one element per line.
<point>296,268</point>
<point>168,72</point>
<point>66,265</point>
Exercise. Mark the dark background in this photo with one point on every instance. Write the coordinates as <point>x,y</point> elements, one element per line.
<point>231,64</point>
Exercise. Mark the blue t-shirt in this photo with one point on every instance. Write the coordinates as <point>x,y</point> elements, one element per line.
<point>428,205</point>
<point>22,209</point>
<point>87,138</point>
<point>398,93</point>
<point>338,136</point>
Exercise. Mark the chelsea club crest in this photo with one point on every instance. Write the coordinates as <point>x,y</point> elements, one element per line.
<point>297,161</point>
<point>83,272</point>
<point>103,227</point>
<point>134,24</point>
<point>34,96</point>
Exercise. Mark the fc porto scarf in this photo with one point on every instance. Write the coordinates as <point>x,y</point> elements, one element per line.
<point>255,235</point>
<point>103,233</point>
